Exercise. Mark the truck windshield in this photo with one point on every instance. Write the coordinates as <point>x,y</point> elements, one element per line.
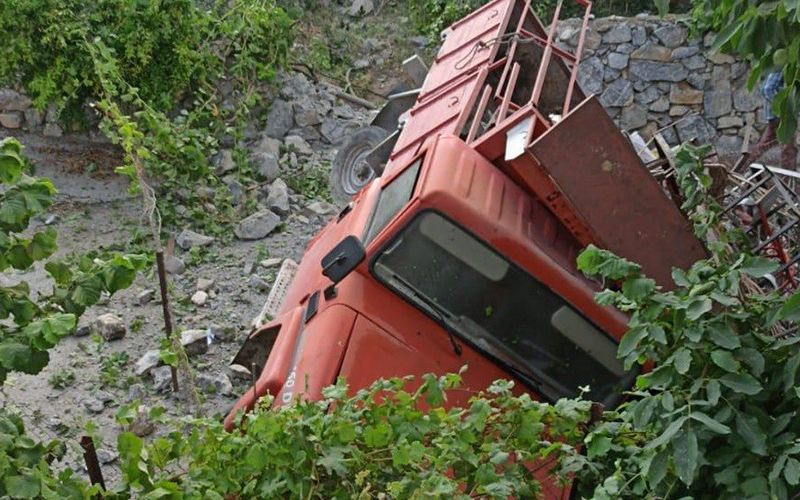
<point>500,309</point>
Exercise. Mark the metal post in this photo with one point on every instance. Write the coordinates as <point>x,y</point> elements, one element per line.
<point>92,463</point>
<point>162,282</point>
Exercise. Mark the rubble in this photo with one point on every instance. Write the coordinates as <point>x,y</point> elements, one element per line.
<point>194,342</point>
<point>257,226</point>
<point>147,362</point>
<point>110,327</point>
<point>189,239</point>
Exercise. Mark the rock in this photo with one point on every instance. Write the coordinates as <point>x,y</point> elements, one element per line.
<point>224,162</point>
<point>271,262</point>
<point>103,396</point>
<point>729,145</point>
<point>656,71</point>
<point>617,61</point>
<point>217,383</point>
<point>729,121</point>
<point>110,326</point>
<point>618,34</point>
<point>652,52</point>
<point>334,131</point>
<point>638,35</point>
<point>660,105</point>
<point>194,342</point>
<point>418,41</point>
<point>361,8</point>
<point>174,265</point>
<point>145,296</point>
<point>648,95</point>
<point>278,197</point>
<point>618,94</point>
<point>199,298</point>
<point>694,62</point>
<point>590,76</point>
<point>678,110</point>
<point>94,405</point>
<point>188,239</point>
<point>681,93</point>
<point>83,331</point>
<point>142,425</point>
<point>695,127</point>
<point>720,58</point>
<point>671,35</point>
<point>236,190</point>
<point>162,377</point>
<point>11,100</point>
<point>279,119</point>
<point>52,130</point>
<point>321,208</point>
<point>684,52</point>
<point>147,362</point>
<point>717,102</point>
<point>11,119</point>
<point>298,144</point>
<point>106,456</point>
<point>305,117</point>
<point>744,100</point>
<point>205,284</point>
<point>696,80</point>
<point>257,226</point>
<point>269,145</point>
<point>249,268</point>
<point>33,118</point>
<point>633,117</point>
<point>259,283</point>
<point>239,372</point>
<point>137,392</point>
<point>266,166</point>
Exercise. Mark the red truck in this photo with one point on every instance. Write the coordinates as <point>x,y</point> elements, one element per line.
<point>461,250</point>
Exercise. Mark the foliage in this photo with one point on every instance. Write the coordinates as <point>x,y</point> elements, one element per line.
<point>382,441</point>
<point>166,49</point>
<point>716,417</point>
<point>312,183</point>
<point>767,34</point>
<point>25,465</point>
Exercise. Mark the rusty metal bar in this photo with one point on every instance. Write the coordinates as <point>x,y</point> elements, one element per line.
<point>162,282</point>
<point>92,463</point>
<point>577,62</point>
<point>476,119</point>
<point>537,87</point>
<point>512,84</point>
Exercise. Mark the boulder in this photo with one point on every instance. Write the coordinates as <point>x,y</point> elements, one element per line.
<point>188,239</point>
<point>174,265</point>
<point>671,35</point>
<point>280,119</point>
<point>110,327</point>
<point>194,342</point>
<point>257,226</point>
<point>11,100</point>
<point>11,119</point>
<point>199,298</point>
<point>266,166</point>
<point>214,383</point>
<point>278,197</point>
<point>147,362</point>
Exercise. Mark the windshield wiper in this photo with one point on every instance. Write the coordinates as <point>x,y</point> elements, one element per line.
<point>442,315</point>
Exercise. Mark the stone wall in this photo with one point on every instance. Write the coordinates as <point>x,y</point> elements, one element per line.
<point>649,75</point>
<point>17,113</point>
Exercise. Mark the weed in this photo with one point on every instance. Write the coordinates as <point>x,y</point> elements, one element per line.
<point>62,379</point>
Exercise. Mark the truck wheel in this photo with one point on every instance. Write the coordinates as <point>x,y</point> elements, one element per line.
<point>350,172</point>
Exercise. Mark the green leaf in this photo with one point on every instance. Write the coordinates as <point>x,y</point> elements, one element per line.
<point>758,267</point>
<point>59,271</point>
<point>630,341</point>
<point>679,277</point>
<point>87,292</point>
<point>638,288</point>
<point>756,439</point>
<point>741,382</point>
<point>658,468</point>
<point>725,360</point>
<point>378,435</point>
<point>670,431</point>
<point>790,310</point>
<point>22,486</point>
<point>722,335</point>
<point>595,261</point>
<point>598,446</point>
<point>713,391</point>
<point>709,422</point>
<point>790,371</point>
<point>791,471</point>
<point>684,455</point>
<point>698,307</point>
<point>724,36</point>
<point>682,360</point>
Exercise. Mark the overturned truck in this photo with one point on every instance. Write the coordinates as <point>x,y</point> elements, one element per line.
<point>460,248</point>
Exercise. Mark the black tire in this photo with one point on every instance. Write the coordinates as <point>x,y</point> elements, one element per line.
<point>349,171</point>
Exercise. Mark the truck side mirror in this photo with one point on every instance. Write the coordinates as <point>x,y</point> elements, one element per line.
<point>344,257</point>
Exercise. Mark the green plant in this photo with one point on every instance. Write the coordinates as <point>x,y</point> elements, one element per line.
<point>717,416</point>
<point>767,34</point>
<point>401,444</point>
<point>62,379</point>
<point>112,369</point>
<point>311,183</point>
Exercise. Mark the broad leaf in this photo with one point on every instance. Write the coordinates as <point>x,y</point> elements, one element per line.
<point>684,455</point>
<point>741,382</point>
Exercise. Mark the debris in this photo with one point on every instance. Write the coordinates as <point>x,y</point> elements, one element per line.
<point>145,296</point>
<point>217,383</point>
<point>257,226</point>
<point>205,284</point>
<point>110,326</point>
<point>174,265</point>
<point>147,362</point>
<point>199,298</point>
<point>188,239</point>
<point>195,342</point>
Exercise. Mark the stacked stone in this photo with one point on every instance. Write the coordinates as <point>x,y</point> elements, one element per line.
<point>649,75</point>
<point>17,112</point>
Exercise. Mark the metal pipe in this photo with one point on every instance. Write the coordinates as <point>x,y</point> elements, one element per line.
<point>162,283</point>
<point>512,84</point>
<point>92,463</point>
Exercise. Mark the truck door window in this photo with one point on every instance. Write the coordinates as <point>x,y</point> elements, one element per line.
<point>393,197</point>
<point>500,309</point>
